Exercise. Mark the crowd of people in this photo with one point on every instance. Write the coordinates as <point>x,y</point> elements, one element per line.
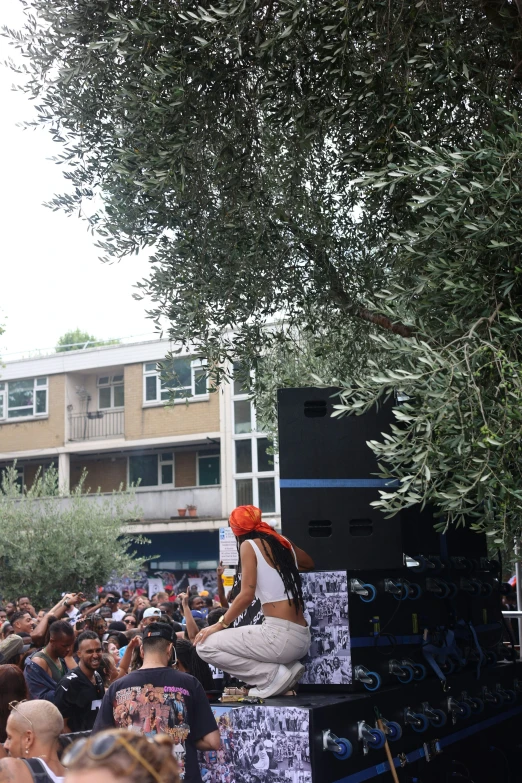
<point>131,675</point>
<point>66,666</point>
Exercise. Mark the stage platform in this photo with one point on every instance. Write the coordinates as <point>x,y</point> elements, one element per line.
<point>432,729</point>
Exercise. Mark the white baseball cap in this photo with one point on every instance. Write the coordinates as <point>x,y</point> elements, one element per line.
<point>152,611</point>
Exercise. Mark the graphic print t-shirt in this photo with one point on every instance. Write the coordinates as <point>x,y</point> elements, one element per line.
<point>161,701</point>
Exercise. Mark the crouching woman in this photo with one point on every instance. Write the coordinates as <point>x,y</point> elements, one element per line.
<point>266,656</point>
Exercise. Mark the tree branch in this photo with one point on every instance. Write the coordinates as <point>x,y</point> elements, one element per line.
<point>396,327</point>
<point>320,257</point>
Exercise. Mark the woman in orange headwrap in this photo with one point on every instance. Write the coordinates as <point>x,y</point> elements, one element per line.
<point>266,656</point>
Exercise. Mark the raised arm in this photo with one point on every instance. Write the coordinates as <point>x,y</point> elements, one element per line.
<point>221,588</point>
<point>192,628</point>
<point>57,612</point>
<point>304,561</point>
<point>126,660</point>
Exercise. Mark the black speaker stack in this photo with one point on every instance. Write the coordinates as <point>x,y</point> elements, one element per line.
<point>432,669</point>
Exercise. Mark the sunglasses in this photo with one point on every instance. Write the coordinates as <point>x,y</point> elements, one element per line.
<point>13,706</point>
<point>130,622</point>
<point>103,746</point>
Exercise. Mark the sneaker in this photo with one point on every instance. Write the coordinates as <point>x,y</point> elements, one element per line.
<point>280,684</point>
<point>297,670</point>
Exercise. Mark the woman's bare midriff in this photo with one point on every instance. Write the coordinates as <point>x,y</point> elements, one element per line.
<point>282,610</point>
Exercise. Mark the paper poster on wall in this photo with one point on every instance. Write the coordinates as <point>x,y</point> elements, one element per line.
<point>155,586</point>
<point>329,660</point>
<point>259,745</point>
<point>228,554</point>
<point>195,582</point>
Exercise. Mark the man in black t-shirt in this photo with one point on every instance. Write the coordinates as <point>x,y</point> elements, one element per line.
<point>79,694</point>
<point>157,699</point>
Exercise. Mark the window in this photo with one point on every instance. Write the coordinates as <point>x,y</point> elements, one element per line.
<point>242,417</point>
<point>110,392</point>
<point>182,378</point>
<point>167,468</point>
<point>241,384</point>
<point>151,470</point>
<point>266,490</point>
<point>208,469</point>
<point>244,456</point>
<point>265,461</point>
<point>23,399</point>
<point>244,493</point>
<point>255,473</point>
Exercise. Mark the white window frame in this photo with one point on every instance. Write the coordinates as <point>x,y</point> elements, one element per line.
<point>40,383</point>
<point>167,462</point>
<point>160,462</point>
<point>195,365</point>
<point>254,475</point>
<point>111,383</point>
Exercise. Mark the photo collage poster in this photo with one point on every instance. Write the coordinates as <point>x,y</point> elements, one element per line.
<point>326,610</point>
<point>259,745</point>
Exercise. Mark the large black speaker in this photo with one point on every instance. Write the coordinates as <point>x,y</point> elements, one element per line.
<point>420,537</point>
<point>328,481</point>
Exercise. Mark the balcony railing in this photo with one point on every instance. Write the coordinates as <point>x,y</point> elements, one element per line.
<point>96,424</point>
<point>163,504</point>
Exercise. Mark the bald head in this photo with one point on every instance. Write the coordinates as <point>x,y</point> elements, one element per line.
<point>42,717</point>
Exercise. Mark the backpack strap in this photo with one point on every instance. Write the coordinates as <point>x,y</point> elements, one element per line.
<point>38,773</point>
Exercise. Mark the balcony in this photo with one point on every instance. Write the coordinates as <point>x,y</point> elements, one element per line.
<point>96,425</point>
<point>162,505</point>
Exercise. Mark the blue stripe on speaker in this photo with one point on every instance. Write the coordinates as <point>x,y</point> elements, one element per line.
<point>383,641</point>
<point>415,755</point>
<point>360,483</point>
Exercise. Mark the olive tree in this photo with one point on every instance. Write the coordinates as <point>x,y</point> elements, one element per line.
<point>51,544</point>
<point>332,186</point>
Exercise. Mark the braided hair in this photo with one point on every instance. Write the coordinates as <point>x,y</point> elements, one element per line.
<point>282,559</point>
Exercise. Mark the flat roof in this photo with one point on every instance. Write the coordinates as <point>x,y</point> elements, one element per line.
<point>89,359</point>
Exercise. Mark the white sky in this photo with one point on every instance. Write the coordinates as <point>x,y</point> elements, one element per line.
<point>51,279</point>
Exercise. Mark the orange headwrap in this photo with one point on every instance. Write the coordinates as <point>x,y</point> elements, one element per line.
<point>245,519</point>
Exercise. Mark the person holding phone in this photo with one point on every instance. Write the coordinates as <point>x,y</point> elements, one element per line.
<point>111,600</point>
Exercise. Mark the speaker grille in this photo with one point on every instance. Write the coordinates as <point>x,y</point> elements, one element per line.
<point>361,527</point>
<point>320,528</point>
<point>313,409</point>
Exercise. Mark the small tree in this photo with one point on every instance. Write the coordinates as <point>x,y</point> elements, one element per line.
<point>75,339</point>
<point>51,544</point>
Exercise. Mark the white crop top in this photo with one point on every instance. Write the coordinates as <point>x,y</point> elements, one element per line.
<point>269,587</point>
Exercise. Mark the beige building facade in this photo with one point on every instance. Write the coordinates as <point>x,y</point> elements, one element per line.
<point>106,414</point>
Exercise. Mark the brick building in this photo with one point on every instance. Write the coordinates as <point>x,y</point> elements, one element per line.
<point>106,411</point>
